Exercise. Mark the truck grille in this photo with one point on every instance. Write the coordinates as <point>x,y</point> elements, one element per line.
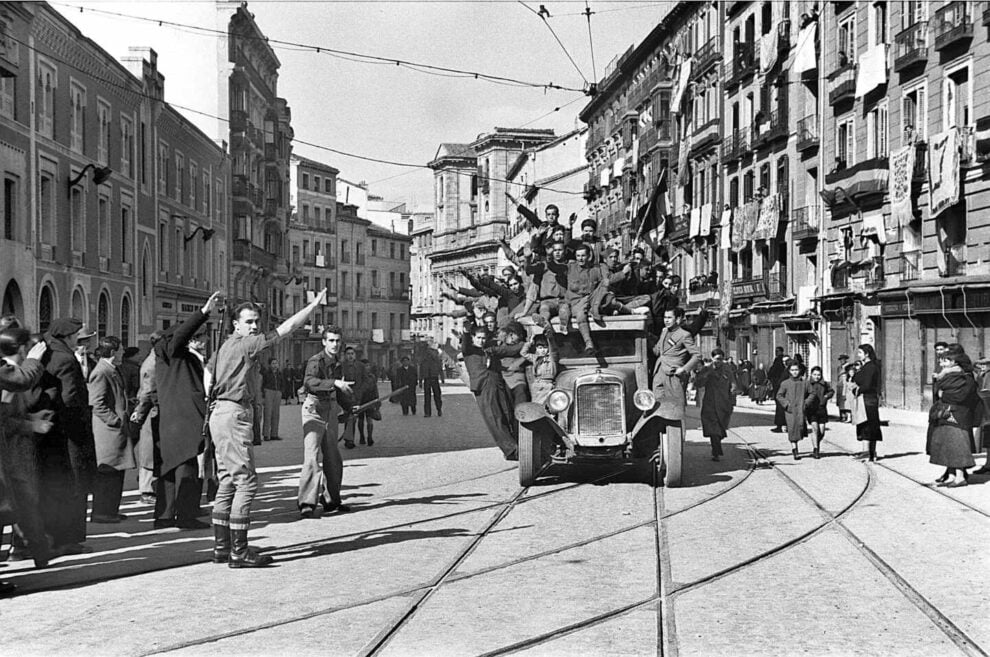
<point>600,409</point>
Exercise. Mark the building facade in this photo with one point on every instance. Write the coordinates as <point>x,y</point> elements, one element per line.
<point>115,207</point>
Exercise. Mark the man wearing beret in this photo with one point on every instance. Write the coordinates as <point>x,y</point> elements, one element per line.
<point>73,428</point>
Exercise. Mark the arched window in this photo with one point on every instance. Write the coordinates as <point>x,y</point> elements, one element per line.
<point>78,305</point>
<point>103,315</point>
<point>125,321</point>
<point>13,304</point>
<point>46,309</point>
<point>145,272</point>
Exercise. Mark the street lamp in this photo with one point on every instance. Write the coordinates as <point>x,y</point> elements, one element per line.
<point>100,175</point>
<point>207,234</point>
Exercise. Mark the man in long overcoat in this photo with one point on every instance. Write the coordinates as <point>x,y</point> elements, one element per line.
<point>181,359</point>
<point>405,375</point>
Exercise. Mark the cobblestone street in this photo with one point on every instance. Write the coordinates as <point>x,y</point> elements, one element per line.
<point>445,554</point>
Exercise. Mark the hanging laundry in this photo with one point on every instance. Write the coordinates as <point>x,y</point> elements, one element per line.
<point>901,175</point>
<point>769,218</point>
<point>725,227</point>
<point>682,83</point>
<point>751,214</point>
<point>943,170</point>
<point>804,59</point>
<point>873,226</point>
<point>705,228</point>
<point>872,71</point>
<point>768,50</point>
<point>605,176</point>
<point>635,152</point>
<point>695,225</point>
<point>683,171</point>
<point>617,167</point>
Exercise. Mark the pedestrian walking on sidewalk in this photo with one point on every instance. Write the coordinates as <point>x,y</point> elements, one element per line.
<point>323,467</point>
<point>816,409</point>
<point>716,378</point>
<point>866,387</point>
<point>792,397</point>
<point>236,389</point>
<point>405,376</point>
<point>952,415</point>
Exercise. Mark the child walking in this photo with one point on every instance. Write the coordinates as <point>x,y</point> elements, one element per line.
<point>816,408</point>
<point>791,396</point>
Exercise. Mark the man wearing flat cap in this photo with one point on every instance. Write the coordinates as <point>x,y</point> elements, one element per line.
<point>589,236</point>
<point>66,518</point>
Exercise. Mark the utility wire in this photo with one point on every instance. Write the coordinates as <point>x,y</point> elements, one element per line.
<point>128,89</point>
<point>591,41</point>
<point>365,58</point>
<point>557,38</point>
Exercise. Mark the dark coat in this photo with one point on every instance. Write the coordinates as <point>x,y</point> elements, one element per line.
<point>14,378</point>
<point>68,380</point>
<point>716,406</point>
<point>792,396</point>
<point>131,372</point>
<point>181,396</point>
<point>110,428</point>
<point>406,377</point>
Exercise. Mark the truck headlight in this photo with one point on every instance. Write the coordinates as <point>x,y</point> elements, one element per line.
<point>644,400</point>
<point>558,401</point>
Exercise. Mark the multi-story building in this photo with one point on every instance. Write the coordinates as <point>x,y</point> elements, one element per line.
<point>905,184</point>
<point>312,238</point>
<point>424,298</point>
<point>260,145</point>
<point>472,209</point>
<point>114,206</point>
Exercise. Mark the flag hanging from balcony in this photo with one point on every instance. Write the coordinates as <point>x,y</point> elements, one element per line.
<point>804,59</point>
<point>682,83</point>
<point>768,50</point>
<point>872,70</point>
<point>943,170</point>
<point>652,216</point>
<point>725,227</point>
<point>901,174</point>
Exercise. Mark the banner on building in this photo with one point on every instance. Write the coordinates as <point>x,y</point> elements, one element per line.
<point>750,215</point>
<point>725,225</point>
<point>768,218</point>
<point>682,83</point>
<point>943,170</point>
<point>705,228</point>
<point>872,70</point>
<point>683,170</point>
<point>804,59</point>
<point>694,229</point>
<point>768,50</point>
<point>901,175</point>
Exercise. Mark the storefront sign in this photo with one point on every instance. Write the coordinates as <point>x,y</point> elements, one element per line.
<point>765,318</point>
<point>746,289</point>
<point>950,301</point>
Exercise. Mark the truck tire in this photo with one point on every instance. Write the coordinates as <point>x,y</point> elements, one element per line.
<point>673,449</point>
<point>532,455</point>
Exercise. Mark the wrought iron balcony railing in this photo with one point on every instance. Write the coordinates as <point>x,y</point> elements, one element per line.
<point>911,46</point>
<point>953,23</point>
<point>807,133</point>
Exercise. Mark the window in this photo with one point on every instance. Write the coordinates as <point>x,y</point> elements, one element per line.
<point>847,39</point>
<point>180,178</point>
<point>206,193</point>
<point>104,225</point>
<point>344,319</point>
<point>125,320</point>
<point>45,99</point>
<point>295,253</point>
<point>46,309</point>
<point>316,183</point>
<point>305,249</point>
<point>8,104</point>
<point>103,315</point>
<point>103,142</point>
<point>126,147</point>
<point>914,114</point>
<point>305,181</point>
<point>876,131</point>
<point>374,321</point>
<point>734,192</point>
<point>402,252</point>
<point>145,273</point>
<point>163,167</point>
<point>77,117</point>
<point>374,247</point>
<point>305,214</point>
<point>193,185</point>
<point>77,220</point>
<point>957,97</point>
<point>914,11</point>
<point>163,246</point>
<point>126,233</point>
<point>845,143</point>
<point>328,186</point>
<point>877,26</point>
<point>9,209</point>
<point>179,251</point>
<point>360,319</point>
<point>46,206</point>
<point>391,249</point>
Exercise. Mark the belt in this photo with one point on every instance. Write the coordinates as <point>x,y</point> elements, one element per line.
<point>242,402</point>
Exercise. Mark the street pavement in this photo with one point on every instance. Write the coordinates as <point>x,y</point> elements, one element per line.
<point>444,554</point>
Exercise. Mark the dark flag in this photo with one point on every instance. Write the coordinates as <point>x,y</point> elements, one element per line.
<point>652,215</point>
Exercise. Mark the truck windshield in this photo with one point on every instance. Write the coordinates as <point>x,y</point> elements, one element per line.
<point>609,343</point>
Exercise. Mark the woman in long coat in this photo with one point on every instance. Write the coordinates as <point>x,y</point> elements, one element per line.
<point>760,386</point>
<point>953,417</point>
<point>114,452</point>
<point>792,396</point>
<point>716,406</point>
<point>866,386</point>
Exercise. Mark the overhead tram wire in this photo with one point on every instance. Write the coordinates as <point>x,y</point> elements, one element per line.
<point>323,50</point>
<point>559,42</point>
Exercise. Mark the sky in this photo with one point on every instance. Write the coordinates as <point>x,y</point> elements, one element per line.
<point>381,110</point>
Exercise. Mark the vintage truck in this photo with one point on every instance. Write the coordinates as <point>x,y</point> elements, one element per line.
<point>602,407</point>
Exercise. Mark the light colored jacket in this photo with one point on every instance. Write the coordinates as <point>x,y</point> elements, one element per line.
<point>110,427</point>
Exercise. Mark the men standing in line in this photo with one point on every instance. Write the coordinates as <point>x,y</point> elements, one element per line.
<point>66,519</point>
<point>236,388</point>
<point>270,377</point>
<point>322,382</point>
<point>181,355</point>
<point>431,373</point>
<point>405,375</point>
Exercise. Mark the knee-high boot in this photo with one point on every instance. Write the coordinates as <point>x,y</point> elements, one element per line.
<point>221,543</point>
<point>242,556</point>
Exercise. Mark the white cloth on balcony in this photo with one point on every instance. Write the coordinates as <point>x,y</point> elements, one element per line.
<point>617,167</point>
<point>646,119</point>
<point>804,58</point>
<point>605,176</point>
<point>682,83</point>
<point>872,70</point>
<point>726,228</point>
<point>901,175</point>
<point>873,225</point>
<point>705,228</point>
<point>943,170</point>
<point>769,218</point>
<point>695,228</point>
<point>768,50</point>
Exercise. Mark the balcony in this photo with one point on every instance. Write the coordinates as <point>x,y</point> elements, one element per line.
<point>911,46</point>
<point>238,120</point>
<point>253,255</point>
<point>807,133</point>
<point>777,129</point>
<point>804,223</point>
<point>707,55</point>
<point>909,263</point>
<point>705,136</point>
<point>737,145</point>
<point>360,292</point>
<point>842,84</point>
<point>398,294</point>
<point>377,293</point>
<point>783,39</point>
<point>955,260</point>
<point>777,284</point>
<point>953,24</point>
<point>860,183</point>
<point>743,64</point>
<point>346,294</point>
